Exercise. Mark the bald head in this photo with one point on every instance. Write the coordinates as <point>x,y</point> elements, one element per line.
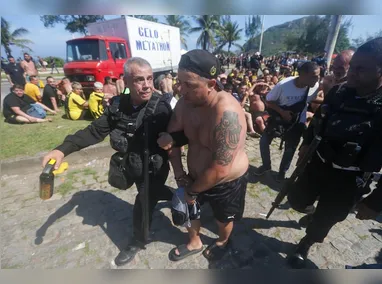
<point>341,64</point>
<point>346,56</point>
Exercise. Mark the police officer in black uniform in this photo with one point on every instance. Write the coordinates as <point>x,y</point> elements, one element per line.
<point>122,113</point>
<point>350,150</point>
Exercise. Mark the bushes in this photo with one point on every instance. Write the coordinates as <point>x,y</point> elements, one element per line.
<point>59,61</point>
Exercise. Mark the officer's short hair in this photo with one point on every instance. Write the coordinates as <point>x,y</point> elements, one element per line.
<point>374,48</point>
<point>308,67</point>
<point>134,60</point>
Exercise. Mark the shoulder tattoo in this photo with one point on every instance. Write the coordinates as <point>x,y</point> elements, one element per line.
<point>227,136</point>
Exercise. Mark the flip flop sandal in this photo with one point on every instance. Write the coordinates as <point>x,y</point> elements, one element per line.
<point>215,252</point>
<point>183,252</point>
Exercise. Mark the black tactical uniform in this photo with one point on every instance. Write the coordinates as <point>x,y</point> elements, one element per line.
<point>108,123</point>
<point>350,148</point>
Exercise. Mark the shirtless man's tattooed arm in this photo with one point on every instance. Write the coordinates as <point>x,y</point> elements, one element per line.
<point>225,141</point>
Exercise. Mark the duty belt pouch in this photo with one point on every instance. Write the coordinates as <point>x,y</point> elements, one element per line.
<point>118,176</point>
<point>348,155</point>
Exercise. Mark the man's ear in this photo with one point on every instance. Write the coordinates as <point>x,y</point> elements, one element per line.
<point>211,84</point>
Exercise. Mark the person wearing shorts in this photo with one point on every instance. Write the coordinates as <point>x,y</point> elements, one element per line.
<point>213,125</point>
<point>227,199</point>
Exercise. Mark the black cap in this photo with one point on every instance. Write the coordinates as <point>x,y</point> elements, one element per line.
<point>203,63</point>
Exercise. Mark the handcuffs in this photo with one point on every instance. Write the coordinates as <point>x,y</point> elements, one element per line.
<point>183,178</point>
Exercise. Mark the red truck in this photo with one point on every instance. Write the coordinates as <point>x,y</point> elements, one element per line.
<point>111,43</point>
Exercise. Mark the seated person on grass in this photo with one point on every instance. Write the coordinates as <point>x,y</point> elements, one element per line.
<point>76,107</point>
<point>50,94</point>
<point>20,108</point>
<point>32,89</point>
<point>97,100</point>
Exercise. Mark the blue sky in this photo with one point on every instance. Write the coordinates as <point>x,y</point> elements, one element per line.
<point>51,42</point>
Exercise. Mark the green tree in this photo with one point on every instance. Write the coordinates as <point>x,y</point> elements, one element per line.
<point>59,61</point>
<point>73,23</point>
<point>253,26</point>
<point>9,37</point>
<point>207,26</point>
<point>146,17</point>
<point>182,23</point>
<point>228,34</point>
<point>313,38</point>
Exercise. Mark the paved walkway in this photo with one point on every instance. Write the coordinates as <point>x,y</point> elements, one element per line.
<point>86,222</point>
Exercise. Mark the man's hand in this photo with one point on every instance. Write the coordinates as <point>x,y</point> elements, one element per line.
<point>32,119</point>
<point>56,155</point>
<point>301,153</point>
<point>365,213</point>
<point>184,180</point>
<point>189,199</point>
<point>165,141</point>
<point>287,115</point>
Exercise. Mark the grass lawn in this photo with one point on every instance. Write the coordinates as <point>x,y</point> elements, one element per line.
<point>31,139</point>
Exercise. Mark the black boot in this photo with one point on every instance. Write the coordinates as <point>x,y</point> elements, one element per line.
<point>128,253</point>
<point>298,258</point>
<point>305,220</point>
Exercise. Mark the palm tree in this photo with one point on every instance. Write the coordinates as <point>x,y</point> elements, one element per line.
<point>207,25</point>
<point>229,33</point>
<point>9,38</point>
<point>182,23</point>
<point>253,26</point>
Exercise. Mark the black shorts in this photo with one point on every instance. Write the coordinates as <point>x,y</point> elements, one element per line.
<point>227,200</point>
<point>12,120</point>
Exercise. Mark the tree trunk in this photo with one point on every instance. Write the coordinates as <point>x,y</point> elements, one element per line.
<point>7,49</point>
<point>205,41</point>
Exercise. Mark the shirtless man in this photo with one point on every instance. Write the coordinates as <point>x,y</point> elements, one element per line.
<point>257,106</point>
<point>64,88</point>
<point>166,84</point>
<point>28,65</point>
<point>214,125</point>
<point>120,84</point>
<point>243,98</point>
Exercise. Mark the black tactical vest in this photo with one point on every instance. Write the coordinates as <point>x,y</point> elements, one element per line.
<point>352,130</point>
<point>126,126</point>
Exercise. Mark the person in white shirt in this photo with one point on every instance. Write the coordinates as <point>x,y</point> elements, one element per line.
<point>288,101</point>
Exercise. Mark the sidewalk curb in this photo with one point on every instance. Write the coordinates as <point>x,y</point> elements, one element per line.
<point>33,164</point>
<point>55,77</point>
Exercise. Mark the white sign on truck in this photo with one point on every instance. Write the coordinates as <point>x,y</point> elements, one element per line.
<point>159,44</point>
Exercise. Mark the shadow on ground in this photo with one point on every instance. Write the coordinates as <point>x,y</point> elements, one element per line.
<point>250,249</point>
<point>114,216</point>
<point>268,179</point>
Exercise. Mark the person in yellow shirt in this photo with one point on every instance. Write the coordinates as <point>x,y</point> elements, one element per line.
<point>76,107</point>
<point>96,100</point>
<point>32,90</point>
<point>247,82</point>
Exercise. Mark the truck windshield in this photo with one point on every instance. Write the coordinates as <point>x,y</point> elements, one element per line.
<point>84,50</point>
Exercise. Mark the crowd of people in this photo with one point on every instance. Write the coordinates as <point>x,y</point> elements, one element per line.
<point>214,111</point>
